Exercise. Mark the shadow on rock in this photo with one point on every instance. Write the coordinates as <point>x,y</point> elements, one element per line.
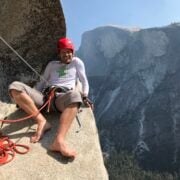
<point>53,119</point>
<point>18,130</point>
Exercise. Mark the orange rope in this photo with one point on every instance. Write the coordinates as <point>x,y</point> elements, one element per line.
<point>8,150</point>
<point>48,102</point>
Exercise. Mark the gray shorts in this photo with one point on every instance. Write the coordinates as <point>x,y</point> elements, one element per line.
<point>62,101</point>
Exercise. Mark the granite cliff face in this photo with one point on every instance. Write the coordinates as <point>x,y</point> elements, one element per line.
<point>134,78</point>
<point>32,29</point>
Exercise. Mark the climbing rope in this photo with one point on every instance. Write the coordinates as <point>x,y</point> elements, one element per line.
<point>22,59</point>
<point>8,150</point>
<point>47,103</point>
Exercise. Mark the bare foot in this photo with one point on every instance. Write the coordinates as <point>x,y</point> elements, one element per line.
<point>63,149</point>
<point>41,129</point>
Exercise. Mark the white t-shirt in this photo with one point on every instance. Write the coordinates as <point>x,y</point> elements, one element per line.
<point>59,74</point>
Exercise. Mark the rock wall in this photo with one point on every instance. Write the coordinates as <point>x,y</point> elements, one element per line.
<point>134,79</point>
<point>40,163</point>
<point>32,28</point>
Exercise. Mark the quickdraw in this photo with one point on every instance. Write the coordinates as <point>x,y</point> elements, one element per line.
<point>8,149</point>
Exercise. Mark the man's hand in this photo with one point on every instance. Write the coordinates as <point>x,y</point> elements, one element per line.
<point>87,102</point>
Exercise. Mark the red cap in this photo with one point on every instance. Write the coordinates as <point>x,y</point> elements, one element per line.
<point>65,43</point>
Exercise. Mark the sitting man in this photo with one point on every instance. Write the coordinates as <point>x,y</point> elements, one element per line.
<point>65,73</point>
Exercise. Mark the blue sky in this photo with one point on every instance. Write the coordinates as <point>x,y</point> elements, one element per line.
<point>85,15</point>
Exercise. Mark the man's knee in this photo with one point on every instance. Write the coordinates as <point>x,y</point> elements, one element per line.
<point>18,95</point>
<point>14,93</point>
<point>74,100</point>
<point>15,88</point>
<point>70,99</point>
<point>74,96</point>
<point>74,105</point>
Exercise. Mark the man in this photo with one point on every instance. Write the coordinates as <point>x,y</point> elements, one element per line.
<point>63,72</point>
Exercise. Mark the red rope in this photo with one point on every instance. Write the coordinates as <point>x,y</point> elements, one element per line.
<point>8,150</point>
<point>34,114</point>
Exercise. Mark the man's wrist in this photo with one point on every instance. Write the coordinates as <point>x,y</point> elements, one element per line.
<point>84,98</point>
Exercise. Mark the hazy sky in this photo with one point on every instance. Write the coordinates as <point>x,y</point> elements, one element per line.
<point>85,15</point>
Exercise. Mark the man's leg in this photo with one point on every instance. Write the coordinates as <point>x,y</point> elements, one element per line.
<point>26,103</point>
<point>66,120</point>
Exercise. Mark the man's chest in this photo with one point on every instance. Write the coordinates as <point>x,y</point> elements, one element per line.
<point>63,71</point>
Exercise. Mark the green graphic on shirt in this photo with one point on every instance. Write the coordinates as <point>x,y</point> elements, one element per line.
<point>62,71</point>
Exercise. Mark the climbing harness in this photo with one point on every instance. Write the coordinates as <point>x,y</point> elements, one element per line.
<point>8,150</point>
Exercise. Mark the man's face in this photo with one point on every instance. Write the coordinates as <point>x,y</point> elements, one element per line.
<point>66,55</point>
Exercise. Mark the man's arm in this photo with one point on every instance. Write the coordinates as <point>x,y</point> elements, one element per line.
<point>82,77</point>
<point>42,83</point>
<point>88,102</point>
<point>85,85</point>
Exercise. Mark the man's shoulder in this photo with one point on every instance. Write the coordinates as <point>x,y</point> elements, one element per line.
<point>54,62</point>
<point>77,60</point>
